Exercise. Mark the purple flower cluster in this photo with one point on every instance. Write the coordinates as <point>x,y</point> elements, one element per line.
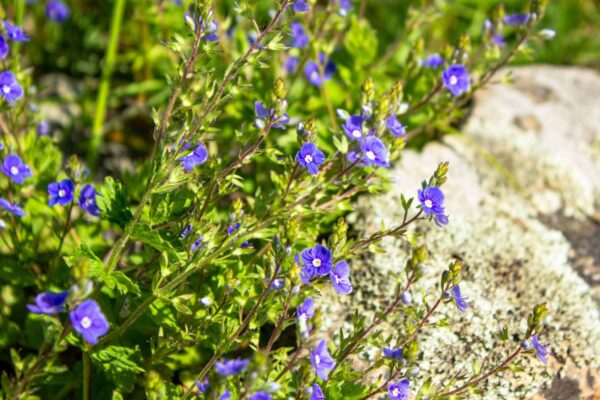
<point>370,150</point>
<point>263,115</point>
<point>10,88</point>
<point>299,37</point>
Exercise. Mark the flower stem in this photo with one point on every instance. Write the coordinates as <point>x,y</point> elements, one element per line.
<point>107,69</point>
<point>87,376</point>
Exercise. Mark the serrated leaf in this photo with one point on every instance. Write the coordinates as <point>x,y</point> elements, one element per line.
<point>119,364</point>
<point>113,203</point>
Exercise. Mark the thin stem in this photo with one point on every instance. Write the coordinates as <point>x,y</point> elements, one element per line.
<point>87,376</point>
<point>63,235</point>
<point>107,70</point>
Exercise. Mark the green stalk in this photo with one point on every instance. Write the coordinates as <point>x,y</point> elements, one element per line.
<point>107,69</point>
<point>87,375</point>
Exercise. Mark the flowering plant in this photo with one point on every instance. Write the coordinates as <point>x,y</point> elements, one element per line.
<point>201,273</point>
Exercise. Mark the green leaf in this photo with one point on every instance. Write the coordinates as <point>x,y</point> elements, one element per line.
<point>361,42</point>
<point>113,203</point>
<point>119,364</point>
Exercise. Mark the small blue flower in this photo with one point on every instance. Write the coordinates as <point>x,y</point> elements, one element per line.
<point>185,231</point>
<point>43,128</point>
<point>312,70</point>
<point>61,192</point>
<point>231,367</point>
<point>540,349</point>
<point>432,203</point>
<point>203,387</point>
<point>396,354</point>
<point>9,87</point>
<point>3,47</point>
<point>406,298</point>
<point>15,169</point>
<point>299,37</point>
<point>310,157</point>
<point>499,40</point>
<point>12,208</point>
<point>374,152</point>
<point>87,200</point>
<point>197,243</point>
<point>516,19</point>
<point>263,114</point>
<point>231,229</point>
<point>277,284</point>
<point>345,6</point>
<point>291,64</point>
<point>226,395</point>
<point>395,127</point>
<point>317,260</point>
<point>210,33</point>
<point>49,303</point>
<point>461,302</point>
<point>353,127</point>
<point>340,277</point>
<point>260,395</point>
<point>89,321</point>
<point>433,61</point>
<point>321,360</point>
<point>307,309</point>
<point>197,157</point>
<point>317,392</point>
<point>57,11</point>
<point>301,6</point>
<point>456,79</point>
<point>15,33</point>
<point>399,390</point>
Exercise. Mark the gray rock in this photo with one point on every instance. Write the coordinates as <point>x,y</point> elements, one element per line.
<point>529,162</point>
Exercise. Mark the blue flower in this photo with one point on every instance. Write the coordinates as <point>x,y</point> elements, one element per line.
<point>185,231</point>
<point>433,61</point>
<point>15,33</point>
<point>291,64</point>
<point>3,47</point>
<point>317,392</point>
<point>260,395</point>
<point>317,260</point>
<point>231,229</point>
<point>12,208</point>
<point>345,6</point>
<point>263,114</point>
<point>15,169</point>
<point>197,157</point>
<point>461,302</point>
<point>87,200</point>
<point>321,360</point>
<point>456,79</point>
<point>395,127</point>
<point>57,11</point>
<point>9,87</point>
<point>226,395</point>
<point>299,37</point>
<point>301,6</point>
<point>432,203</point>
<point>49,303</point>
<point>540,349</point>
<point>517,19</point>
<point>210,33</point>
<point>499,40</point>
<point>306,310</point>
<point>43,128</point>
<point>353,127</point>
<point>197,243</point>
<point>396,354</point>
<point>374,152</point>
<point>203,387</point>
<point>312,70</point>
<point>89,321</point>
<point>340,277</point>
<point>310,157</point>
<point>399,390</point>
<point>231,367</point>
<point>61,192</point>
<point>277,284</point>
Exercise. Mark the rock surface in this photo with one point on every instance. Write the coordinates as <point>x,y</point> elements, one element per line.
<point>522,195</point>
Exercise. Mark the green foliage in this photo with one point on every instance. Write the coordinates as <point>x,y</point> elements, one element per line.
<point>113,203</point>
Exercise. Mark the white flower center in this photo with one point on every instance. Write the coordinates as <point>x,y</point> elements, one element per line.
<point>86,322</point>
<point>6,89</point>
<point>61,193</point>
<point>308,159</point>
<point>370,155</point>
<point>317,359</point>
<point>428,203</point>
<point>314,76</point>
<point>89,202</point>
<point>317,262</point>
<point>14,170</point>
<point>453,80</point>
<point>356,133</point>
<point>337,279</point>
<point>396,392</point>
